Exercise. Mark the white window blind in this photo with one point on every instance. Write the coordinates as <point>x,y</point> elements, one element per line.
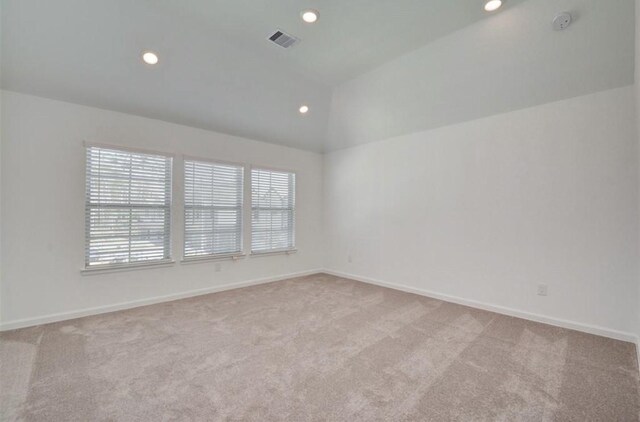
<point>272,210</point>
<point>212,209</point>
<point>128,207</point>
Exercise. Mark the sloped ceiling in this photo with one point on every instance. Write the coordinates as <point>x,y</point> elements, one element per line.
<point>512,61</point>
<point>88,52</point>
<point>368,69</point>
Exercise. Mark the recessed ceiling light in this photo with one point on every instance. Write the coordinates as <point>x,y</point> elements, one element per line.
<point>303,109</point>
<point>310,16</point>
<point>150,57</point>
<point>492,5</point>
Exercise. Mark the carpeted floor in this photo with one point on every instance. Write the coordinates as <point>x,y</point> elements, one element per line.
<point>313,349</point>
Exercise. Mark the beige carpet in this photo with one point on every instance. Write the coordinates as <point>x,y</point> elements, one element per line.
<point>313,349</point>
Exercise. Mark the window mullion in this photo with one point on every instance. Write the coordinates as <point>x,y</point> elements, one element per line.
<point>130,206</point>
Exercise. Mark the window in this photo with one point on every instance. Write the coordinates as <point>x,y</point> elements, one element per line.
<point>128,208</point>
<point>212,209</point>
<point>272,210</point>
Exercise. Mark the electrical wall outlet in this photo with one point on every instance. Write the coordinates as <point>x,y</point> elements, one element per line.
<point>217,268</point>
<point>542,289</point>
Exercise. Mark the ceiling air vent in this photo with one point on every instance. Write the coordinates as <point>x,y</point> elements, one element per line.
<point>283,40</point>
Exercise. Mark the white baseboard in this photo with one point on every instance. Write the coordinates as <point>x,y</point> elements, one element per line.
<point>62,316</point>
<point>638,350</point>
<point>578,326</point>
<point>587,328</point>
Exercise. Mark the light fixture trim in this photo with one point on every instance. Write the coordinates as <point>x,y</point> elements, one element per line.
<point>303,109</point>
<point>310,15</point>
<point>492,5</point>
<point>150,58</point>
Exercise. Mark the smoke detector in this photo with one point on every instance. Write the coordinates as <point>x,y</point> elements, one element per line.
<point>562,21</point>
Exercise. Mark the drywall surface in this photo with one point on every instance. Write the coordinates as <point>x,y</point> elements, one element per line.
<point>43,178</point>
<point>488,209</point>
<point>509,61</point>
<point>0,170</point>
<point>637,92</point>
<point>0,209</point>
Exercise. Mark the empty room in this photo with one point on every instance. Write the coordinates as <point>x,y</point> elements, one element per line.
<point>319,210</point>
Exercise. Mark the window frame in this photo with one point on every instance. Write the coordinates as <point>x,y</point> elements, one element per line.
<point>167,261</point>
<point>284,251</point>
<point>220,256</point>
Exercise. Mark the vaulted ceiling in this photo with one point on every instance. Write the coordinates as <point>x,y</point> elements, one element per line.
<point>218,71</point>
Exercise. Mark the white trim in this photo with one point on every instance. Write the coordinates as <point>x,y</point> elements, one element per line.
<point>276,252</point>
<point>269,168</point>
<point>211,257</point>
<point>63,316</point>
<point>587,328</point>
<point>208,160</point>
<point>88,144</point>
<point>637,342</point>
<point>101,269</point>
<point>558,322</point>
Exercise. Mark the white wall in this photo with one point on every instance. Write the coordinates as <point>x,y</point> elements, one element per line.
<point>487,209</point>
<point>1,169</point>
<point>637,87</point>
<point>43,208</point>
<point>1,201</point>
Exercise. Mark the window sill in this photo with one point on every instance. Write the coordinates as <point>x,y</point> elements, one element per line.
<point>209,258</point>
<point>126,267</point>
<point>279,252</point>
